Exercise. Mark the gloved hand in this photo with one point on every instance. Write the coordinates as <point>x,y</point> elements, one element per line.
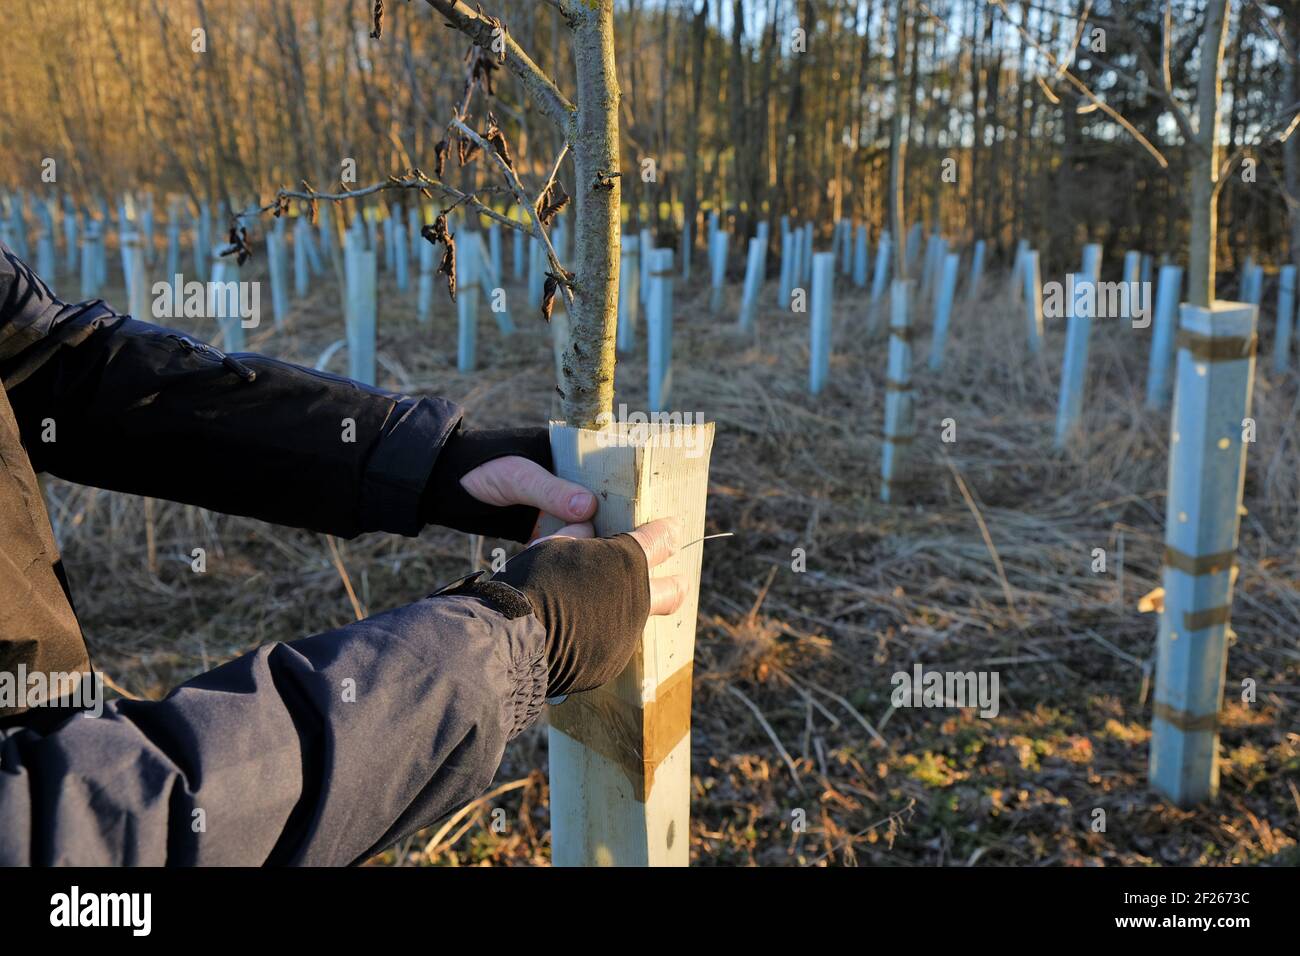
<point>593,596</point>
<point>498,482</point>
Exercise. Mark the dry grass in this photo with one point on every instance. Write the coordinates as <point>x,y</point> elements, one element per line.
<point>813,652</point>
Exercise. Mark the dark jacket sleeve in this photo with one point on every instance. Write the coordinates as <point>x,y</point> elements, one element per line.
<point>105,400</point>
<point>318,752</point>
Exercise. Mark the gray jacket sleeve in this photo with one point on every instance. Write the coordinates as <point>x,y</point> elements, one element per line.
<point>319,752</point>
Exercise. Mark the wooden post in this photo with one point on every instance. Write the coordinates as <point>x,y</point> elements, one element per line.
<point>900,422</point>
<point>1033,299</point>
<point>1074,369</point>
<point>1285,316</point>
<point>1168,288</point>
<point>620,755</point>
<point>659,329</point>
<point>279,273</point>
<point>718,269</point>
<point>861,257</point>
<point>755,265</point>
<point>360,274</point>
<point>469,279</point>
<point>629,292</point>
<point>424,293</point>
<point>943,308</point>
<point>976,271</point>
<point>1207,468</point>
<point>823,292</point>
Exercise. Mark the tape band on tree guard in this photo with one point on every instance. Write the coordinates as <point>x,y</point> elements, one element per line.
<point>900,439</point>
<point>1200,620</point>
<point>893,385</point>
<point>638,740</point>
<point>1184,721</point>
<point>1217,348</point>
<point>1199,564</point>
<point>902,332</point>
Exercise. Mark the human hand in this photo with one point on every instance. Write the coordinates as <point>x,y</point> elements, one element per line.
<point>594,596</point>
<point>498,482</point>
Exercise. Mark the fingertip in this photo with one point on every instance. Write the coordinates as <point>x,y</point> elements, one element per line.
<point>581,505</point>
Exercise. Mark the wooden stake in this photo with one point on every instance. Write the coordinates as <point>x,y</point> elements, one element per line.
<point>620,755</point>
<point>1207,468</point>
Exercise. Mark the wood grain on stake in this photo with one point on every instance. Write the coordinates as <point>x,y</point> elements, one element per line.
<point>620,755</point>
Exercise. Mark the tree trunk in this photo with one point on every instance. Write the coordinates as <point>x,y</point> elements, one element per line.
<point>588,386</point>
<point>1205,161</point>
<point>898,146</point>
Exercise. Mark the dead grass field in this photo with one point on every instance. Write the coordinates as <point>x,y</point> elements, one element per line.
<point>813,652</point>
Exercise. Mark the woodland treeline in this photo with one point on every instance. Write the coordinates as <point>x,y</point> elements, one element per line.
<point>1007,109</point>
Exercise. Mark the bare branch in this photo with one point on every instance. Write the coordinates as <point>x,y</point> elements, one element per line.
<point>540,87</point>
<point>1082,87</point>
<point>415,180</point>
<point>517,187</point>
<point>1165,88</point>
<point>1290,116</point>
